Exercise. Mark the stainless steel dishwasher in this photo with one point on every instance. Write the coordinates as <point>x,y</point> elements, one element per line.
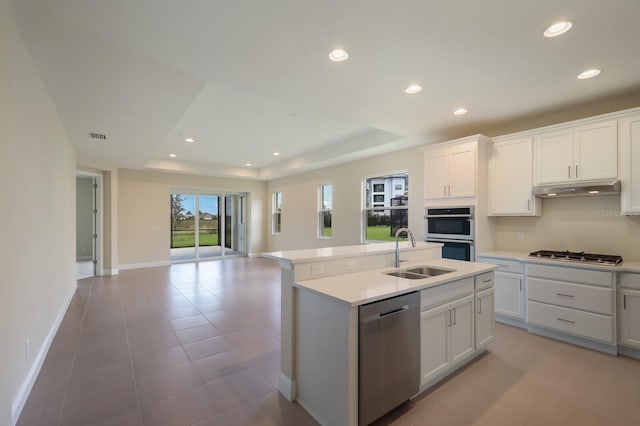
<point>388,355</point>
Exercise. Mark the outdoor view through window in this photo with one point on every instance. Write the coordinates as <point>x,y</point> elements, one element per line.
<point>387,201</point>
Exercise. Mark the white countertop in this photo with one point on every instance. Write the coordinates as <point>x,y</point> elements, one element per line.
<point>311,255</point>
<point>626,266</point>
<point>363,287</point>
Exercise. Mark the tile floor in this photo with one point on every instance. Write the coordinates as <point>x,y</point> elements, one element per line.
<point>198,344</point>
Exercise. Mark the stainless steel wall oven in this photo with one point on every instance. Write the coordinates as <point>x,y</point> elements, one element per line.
<point>454,228</point>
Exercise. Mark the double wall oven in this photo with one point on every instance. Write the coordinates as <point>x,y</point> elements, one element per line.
<point>454,228</point>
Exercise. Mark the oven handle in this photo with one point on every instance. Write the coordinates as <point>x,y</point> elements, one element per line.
<point>442,240</point>
<point>449,215</point>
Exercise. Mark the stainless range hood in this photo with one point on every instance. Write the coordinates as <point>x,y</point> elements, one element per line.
<point>578,189</point>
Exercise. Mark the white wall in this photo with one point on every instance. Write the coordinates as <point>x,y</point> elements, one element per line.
<point>37,186</point>
<point>592,224</point>
<point>144,215</point>
<point>300,200</point>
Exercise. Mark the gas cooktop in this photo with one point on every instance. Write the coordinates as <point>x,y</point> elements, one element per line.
<point>600,259</point>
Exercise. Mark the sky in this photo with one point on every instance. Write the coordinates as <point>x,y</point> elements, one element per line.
<point>208,203</point>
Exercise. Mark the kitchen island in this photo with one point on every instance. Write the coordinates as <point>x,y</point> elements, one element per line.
<point>326,323</point>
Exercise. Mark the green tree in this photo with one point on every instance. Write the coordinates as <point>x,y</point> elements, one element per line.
<point>177,214</point>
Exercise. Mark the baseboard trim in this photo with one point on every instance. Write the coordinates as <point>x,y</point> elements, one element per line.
<point>511,321</point>
<point>287,387</point>
<point>629,352</point>
<point>610,349</point>
<point>17,404</point>
<point>143,265</point>
<point>109,272</point>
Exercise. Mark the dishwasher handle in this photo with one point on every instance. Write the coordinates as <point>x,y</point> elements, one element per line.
<point>379,315</point>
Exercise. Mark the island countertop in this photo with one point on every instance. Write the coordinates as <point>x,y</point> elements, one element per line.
<point>360,288</point>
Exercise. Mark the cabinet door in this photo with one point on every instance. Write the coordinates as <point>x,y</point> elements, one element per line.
<point>461,332</point>
<point>630,318</point>
<point>435,175</point>
<point>596,151</point>
<point>462,171</point>
<point>554,157</point>
<point>511,178</point>
<point>485,318</point>
<point>629,133</point>
<point>434,326</point>
<point>509,292</point>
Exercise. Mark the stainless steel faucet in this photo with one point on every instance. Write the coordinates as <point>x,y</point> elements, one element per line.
<point>413,242</point>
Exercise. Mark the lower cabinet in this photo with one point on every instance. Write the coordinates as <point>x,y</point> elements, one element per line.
<point>510,296</point>
<point>485,318</point>
<point>446,336</point>
<point>629,312</point>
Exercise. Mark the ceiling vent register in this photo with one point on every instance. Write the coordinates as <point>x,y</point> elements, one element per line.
<point>98,136</point>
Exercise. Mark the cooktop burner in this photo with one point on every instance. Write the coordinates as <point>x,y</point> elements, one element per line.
<point>601,259</point>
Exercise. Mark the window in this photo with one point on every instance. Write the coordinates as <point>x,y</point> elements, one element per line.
<point>324,216</point>
<point>277,212</point>
<point>387,206</point>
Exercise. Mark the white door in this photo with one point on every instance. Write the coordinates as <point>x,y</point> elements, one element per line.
<point>554,156</point>
<point>462,171</point>
<point>434,325</point>
<point>596,151</point>
<point>485,317</point>
<point>509,295</point>
<point>461,332</point>
<point>435,175</point>
<point>630,318</point>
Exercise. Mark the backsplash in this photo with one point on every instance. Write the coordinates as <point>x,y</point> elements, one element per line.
<point>591,224</point>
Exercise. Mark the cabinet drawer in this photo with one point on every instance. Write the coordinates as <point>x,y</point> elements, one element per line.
<point>505,265</point>
<point>628,280</point>
<point>484,281</point>
<point>577,275</point>
<point>437,295</point>
<point>588,298</point>
<point>579,323</point>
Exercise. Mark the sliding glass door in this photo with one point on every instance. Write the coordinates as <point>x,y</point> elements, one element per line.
<point>200,230</point>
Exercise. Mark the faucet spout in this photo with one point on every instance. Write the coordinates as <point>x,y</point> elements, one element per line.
<point>410,236</point>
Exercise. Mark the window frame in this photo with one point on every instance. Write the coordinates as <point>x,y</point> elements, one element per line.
<point>322,210</point>
<point>367,199</point>
<point>276,213</point>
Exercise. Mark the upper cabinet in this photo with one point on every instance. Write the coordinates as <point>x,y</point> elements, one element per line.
<point>629,138</point>
<point>511,177</point>
<point>581,153</point>
<point>450,172</point>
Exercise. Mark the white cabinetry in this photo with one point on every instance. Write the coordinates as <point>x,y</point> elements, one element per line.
<point>509,285</point>
<point>511,178</point>
<point>629,139</point>
<point>447,335</point>
<point>629,310</point>
<point>450,172</point>
<point>485,310</point>
<point>581,153</point>
<point>572,301</point>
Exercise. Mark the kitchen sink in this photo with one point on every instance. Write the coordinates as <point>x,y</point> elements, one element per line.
<point>428,271</point>
<point>419,273</point>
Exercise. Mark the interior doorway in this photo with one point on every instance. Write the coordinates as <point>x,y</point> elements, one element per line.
<point>88,190</point>
<point>206,225</point>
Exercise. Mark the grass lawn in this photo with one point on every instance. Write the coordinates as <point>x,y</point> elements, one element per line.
<point>187,239</point>
<point>380,233</point>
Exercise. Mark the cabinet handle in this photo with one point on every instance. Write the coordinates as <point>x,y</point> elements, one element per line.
<point>569,171</point>
<point>455,317</point>
<point>624,301</point>
<point>576,170</point>
<point>528,205</point>
<point>520,284</point>
<point>444,190</point>
<point>487,280</point>
<point>565,295</point>
<point>566,320</point>
<point>479,305</point>
<point>449,319</point>
<point>449,194</point>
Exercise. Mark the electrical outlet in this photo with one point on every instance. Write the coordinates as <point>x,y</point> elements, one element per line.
<point>316,269</point>
<point>26,349</point>
<point>519,236</point>
<point>350,265</point>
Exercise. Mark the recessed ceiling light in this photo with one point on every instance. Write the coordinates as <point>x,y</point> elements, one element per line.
<point>594,192</point>
<point>413,89</point>
<point>338,55</point>
<point>276,153</point>
<point>553,194</point>
<point>247,164</point>
<point>460,111</point>
<point>557,29</point>
<point>190,140</point>
<point>588,74</point>
<point>172,155</point>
